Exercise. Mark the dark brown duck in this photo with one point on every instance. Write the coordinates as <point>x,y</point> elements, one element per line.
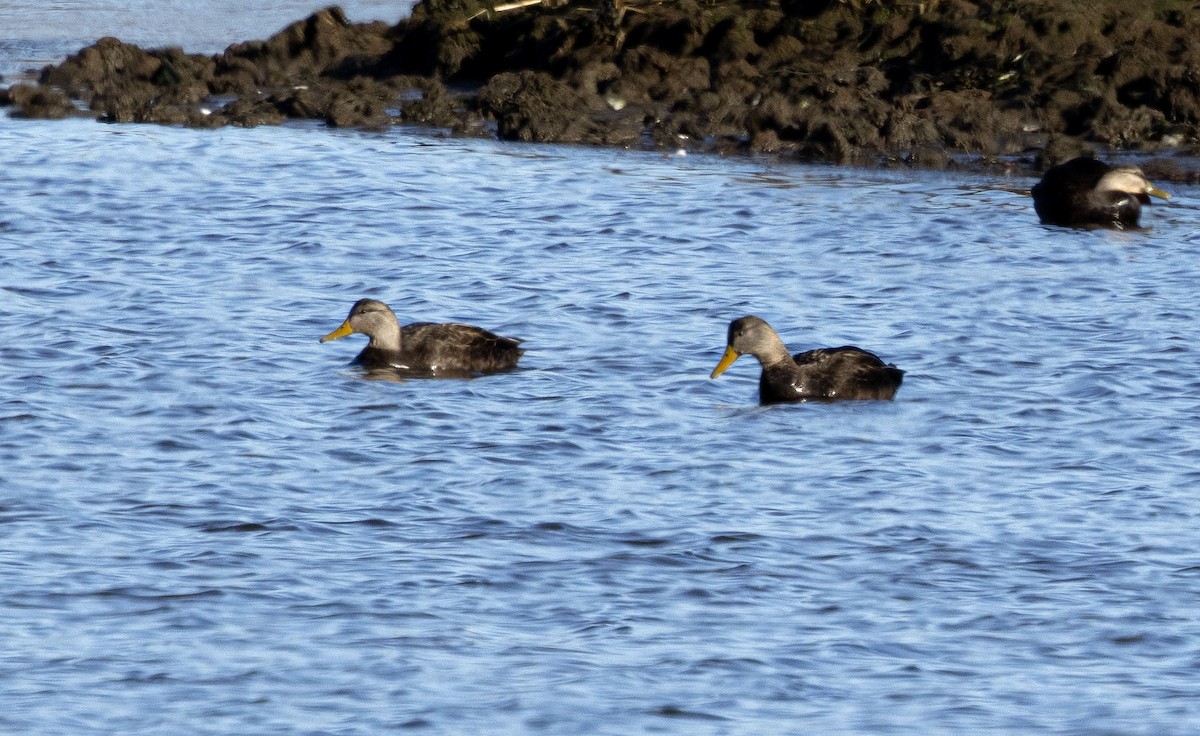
<point>446,349</point>
<point>824,374</point>
<point>1084,192</point>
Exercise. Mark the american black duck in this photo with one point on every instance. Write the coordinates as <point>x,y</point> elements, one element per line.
<point>824,374</point>
<point>1084,192</point>
<point>447,349</point>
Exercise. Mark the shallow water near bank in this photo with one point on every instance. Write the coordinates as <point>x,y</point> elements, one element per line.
<point>209,519</point>
<point>33,34</point>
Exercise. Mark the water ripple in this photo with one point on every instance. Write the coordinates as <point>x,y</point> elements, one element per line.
<point>217,518</point>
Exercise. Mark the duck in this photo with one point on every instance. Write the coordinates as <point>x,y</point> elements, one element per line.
<point>425,348</point>
<point>823,374</point>
<point>1085,192</point>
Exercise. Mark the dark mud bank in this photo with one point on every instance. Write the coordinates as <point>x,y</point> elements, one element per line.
<point>860,82</point>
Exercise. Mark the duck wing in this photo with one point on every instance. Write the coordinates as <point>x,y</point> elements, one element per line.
<point>456,348</point>
<point>847,372</point>
<point>1066,193</point>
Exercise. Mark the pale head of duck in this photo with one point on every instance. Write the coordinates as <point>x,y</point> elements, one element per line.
<point>751,335</point>
<point>374,319</point>
<point>1129,180</point>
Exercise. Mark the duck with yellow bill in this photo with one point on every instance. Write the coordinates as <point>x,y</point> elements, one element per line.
<point>1087,193</point>
<point>447,349</point>
<point>824,374</point>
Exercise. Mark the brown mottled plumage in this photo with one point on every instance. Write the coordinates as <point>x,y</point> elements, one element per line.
<point>1084,192</point>
<point>448,349</point>
<point>824,374</point>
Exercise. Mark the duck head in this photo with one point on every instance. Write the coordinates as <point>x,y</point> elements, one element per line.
<point>374,319</point>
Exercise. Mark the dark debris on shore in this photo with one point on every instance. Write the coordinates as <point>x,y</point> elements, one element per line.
<point>1015,84</point>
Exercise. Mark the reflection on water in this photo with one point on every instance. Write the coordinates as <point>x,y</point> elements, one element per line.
<point>209,517</point>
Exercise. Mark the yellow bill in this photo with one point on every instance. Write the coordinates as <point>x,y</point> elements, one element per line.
<point>340,332</point>
<point>726,361</point>
<point>1156,192</point>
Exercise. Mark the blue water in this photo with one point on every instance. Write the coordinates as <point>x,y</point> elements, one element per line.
<point>210,524</point>
<point>34,33</point>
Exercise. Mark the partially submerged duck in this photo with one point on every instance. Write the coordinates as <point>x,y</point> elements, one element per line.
<point>448,349</point>
<point>824,374</point>
<point>1084,192</point>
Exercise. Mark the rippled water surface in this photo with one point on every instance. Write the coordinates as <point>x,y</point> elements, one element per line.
<point>207,519</point>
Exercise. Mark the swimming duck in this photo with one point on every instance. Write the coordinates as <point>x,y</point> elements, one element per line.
<point>824,374</point>
<point>449,349</point>
<point>1084,192</point>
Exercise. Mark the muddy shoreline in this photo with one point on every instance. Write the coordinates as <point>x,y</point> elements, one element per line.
<point>1018,85</point>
